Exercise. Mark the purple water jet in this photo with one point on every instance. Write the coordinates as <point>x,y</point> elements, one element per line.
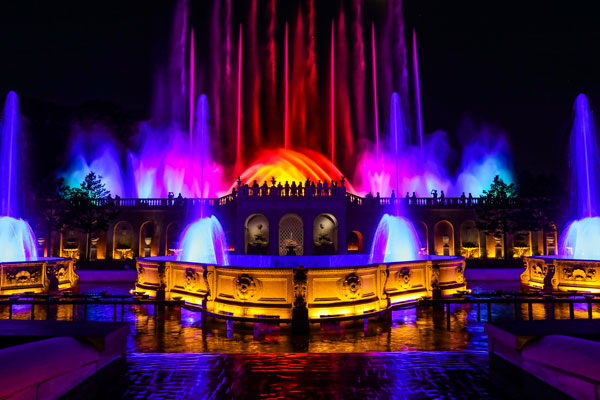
<point>580,239</point>
<point>17,241</point>
<point>395,240</point>
<point>204,242</point>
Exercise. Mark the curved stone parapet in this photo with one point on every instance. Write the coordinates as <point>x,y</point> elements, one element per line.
<point>38,276</point>
<point>273,286</point>
<point>565,274</point>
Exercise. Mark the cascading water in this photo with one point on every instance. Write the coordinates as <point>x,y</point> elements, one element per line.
<point>395,240</point>
<point>581,239</point>
<point>17,241</point>
<point>204,242</point>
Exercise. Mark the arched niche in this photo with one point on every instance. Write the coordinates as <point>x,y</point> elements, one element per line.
<point>469,239</point>
<point>355,242</point>
<point>325,234</point>
<point>256,237</point>
<point>291,235</point>
<point>149,239</point>
<point>443,238</point>
<point>172,234</point>
<point>123,243</point>
<point>422,233</point>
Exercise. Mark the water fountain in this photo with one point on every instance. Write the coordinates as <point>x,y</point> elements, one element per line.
<point>298,287</point>
<point>577,265</point>
<point>21,268</point>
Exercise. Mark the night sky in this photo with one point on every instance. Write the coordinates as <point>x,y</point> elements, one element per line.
<point>518,65</point>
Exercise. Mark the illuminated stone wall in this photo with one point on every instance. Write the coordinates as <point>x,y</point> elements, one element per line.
<point>272,292</point>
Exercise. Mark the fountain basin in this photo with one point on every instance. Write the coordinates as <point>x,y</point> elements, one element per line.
<point>40,276</point>
<point>270,287</point>
<point>562,273</point>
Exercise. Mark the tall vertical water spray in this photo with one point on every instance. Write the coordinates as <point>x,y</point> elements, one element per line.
<point>395,238</point>
<point>17,241</point>
<point>581,239</point>
<point>203,240</point>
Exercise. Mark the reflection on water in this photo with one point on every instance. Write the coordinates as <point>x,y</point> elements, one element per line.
<point>415,329</point>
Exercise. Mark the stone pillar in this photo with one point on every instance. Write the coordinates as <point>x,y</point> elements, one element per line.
<point>300,322</point>
<point>110,235</point>
<point>273,235</point>
<point>308,221</point>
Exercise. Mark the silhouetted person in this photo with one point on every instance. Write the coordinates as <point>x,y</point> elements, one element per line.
<point>343,181</point>
<point>117,200</point>
<point>434,194</point>
<point>470,199</point>
<point>326,188</point>
<point>264,189</point>
<point>179,200</point>
<point>287,188</point>
<point>171,196</point>
<point>369,195</point>
<point>294,189</point>
<point>442,196</point>
<point>279,188</point>
<point>462,198</point>
<point>319,188</point>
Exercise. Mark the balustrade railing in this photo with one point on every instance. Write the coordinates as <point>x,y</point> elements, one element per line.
<point>283,192</point>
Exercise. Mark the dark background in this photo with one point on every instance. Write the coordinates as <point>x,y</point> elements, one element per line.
<point>518,65</point>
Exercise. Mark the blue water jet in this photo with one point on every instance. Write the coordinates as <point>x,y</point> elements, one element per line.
<point>395,240</point>
<point>581,238</point>
<point>204,242</point>
<point>17,241</point>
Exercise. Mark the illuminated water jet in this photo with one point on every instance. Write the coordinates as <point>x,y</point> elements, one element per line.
<point>581,238</point>
<point>292,166</point>
<point>395,240</point>
<point>17,241</point>
<point>204,242</point>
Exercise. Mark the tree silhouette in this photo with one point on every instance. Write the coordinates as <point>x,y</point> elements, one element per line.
<point>86,208</point>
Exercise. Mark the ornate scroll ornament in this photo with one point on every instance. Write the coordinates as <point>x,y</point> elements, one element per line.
<point>351,286</point>
<point>140,271</point>
<point>403,277</point>
<point>579,273</point>
<point>61,273</point>
<point>539,271</point>
<point>191,278</point>
<point>460,274</point>
<point>207,276</point>
<point>19,276</point>
<point>300,288</point>
<point>435,277</point>
<point>245,287</point>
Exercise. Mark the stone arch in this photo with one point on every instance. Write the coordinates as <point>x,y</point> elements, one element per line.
<point>123,240</point>
<point>149,239</point>
<point>521,244</point>
<point>172,234</point>
<point>494,246</point>
<point>422,234</point>
<point>325,234</point>
<point>443,238</point>
<point>355,242</point>
<point>71,243</point>
<point>469,239</point>
<point>256,234</point>
<point>291,235</point>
